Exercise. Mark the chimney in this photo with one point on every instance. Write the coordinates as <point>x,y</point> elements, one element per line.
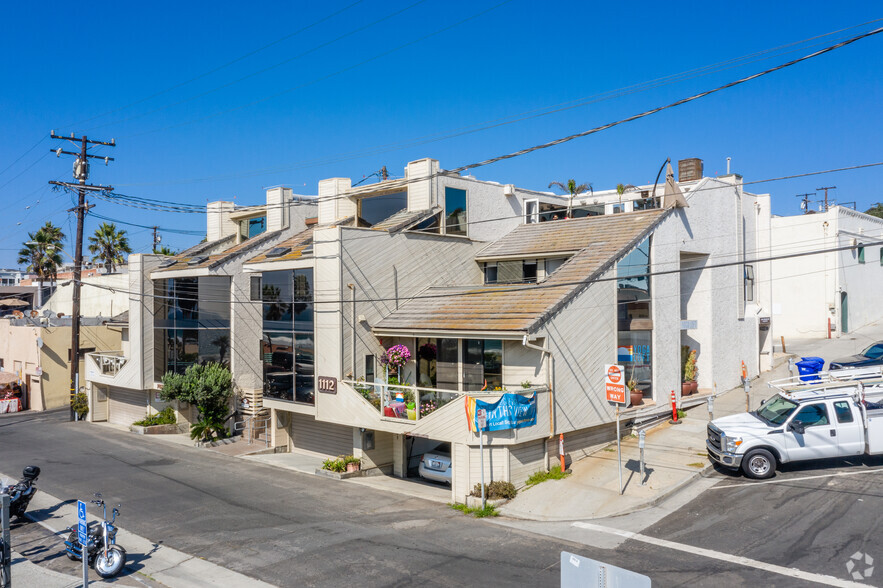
<point>420,191</point>
<point>278,203</point>
<point>332,207</point>
<point>689,169</point>
<point>218,223</point>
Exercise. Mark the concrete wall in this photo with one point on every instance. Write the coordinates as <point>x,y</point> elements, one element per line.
<point>55,381</point>
<point>95,297</point>
<point>862,282</point>
<point>804,289</point>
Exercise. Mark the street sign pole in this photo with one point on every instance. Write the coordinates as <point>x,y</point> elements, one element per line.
<point>481,417</point>
<point>618,450</point>
<point>83,538</point>
<point>641,437</point>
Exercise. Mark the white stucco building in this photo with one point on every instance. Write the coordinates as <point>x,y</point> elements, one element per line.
<point>836,290</point>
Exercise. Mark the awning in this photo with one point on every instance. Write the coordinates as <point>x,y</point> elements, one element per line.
<point>14,303</point>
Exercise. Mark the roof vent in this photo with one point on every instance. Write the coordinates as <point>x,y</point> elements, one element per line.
<point>198,260</point>
<point>168,263</point>
<point>278,251</point>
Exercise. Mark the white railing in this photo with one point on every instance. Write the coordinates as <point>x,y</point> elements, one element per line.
<point>396,401</point>
<point>109,362</point>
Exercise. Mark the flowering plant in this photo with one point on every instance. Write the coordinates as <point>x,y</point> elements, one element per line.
<point>397,356</point>
<point>427,351</point>
<point>427,407</point>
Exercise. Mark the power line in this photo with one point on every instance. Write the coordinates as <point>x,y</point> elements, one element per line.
<point>163,229</point>
<point>43,138</point>
<point>166,206</point>
<point>509,120</point>
<point>479,289</point>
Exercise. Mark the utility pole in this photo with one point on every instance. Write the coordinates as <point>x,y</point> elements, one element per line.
<point>81,174</point>
<point>156,239</point>
<point>826,188</point>
<point>805,204</point>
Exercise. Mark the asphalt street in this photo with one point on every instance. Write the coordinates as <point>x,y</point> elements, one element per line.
<point>288,528</point>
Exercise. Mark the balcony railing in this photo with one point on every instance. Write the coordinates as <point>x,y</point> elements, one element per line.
<point>109,362</point>
<point>400,402</point>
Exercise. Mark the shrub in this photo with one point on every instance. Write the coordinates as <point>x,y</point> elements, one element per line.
<point>488,511</point>
<point>165,417</point>
<point>337,464</point>
<point>496,489</point>
<point>80,404</point>
<point>210,388</point>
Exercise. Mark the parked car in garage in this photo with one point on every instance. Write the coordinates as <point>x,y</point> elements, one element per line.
<point>873,355</point>
<point>436,464</point>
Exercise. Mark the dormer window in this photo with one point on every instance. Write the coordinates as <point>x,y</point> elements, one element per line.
<point>511,272</point>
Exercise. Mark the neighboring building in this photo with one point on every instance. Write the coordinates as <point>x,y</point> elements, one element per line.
<point>826,294</point>
<point>39,350</point>
<point>11,277</point>
<point>101,295</point>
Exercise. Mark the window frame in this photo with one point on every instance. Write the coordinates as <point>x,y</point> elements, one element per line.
<point>460,230</point>
<point>748,282</point>
<point>532,217</point>
<point>848,412</point>
<point>806,425</point>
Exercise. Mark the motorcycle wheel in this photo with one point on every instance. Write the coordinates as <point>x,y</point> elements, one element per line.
<point>113,564</point>
<point>72,538</point>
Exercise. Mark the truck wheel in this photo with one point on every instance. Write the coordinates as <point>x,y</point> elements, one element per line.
<point>759,464</point>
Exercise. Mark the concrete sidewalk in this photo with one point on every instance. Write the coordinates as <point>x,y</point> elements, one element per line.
<point>675,455</point>
<point>161,564</point>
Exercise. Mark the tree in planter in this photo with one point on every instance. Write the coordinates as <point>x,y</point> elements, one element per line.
<point>209,387</point>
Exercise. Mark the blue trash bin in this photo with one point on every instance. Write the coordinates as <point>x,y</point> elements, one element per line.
<point>808,367</point>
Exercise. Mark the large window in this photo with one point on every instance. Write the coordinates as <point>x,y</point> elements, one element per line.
<point>377,208</point>
<point>287,344</point>
<point>191,323</point>
<point>455,211</point>
<point>482,364</point>
<point>633,284</point>
<point>633,348</point>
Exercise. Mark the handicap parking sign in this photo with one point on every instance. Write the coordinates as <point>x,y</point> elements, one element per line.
<point>81,522</point>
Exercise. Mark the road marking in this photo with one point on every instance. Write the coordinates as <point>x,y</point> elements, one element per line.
<point>749,484</point>
<point>727,557</point>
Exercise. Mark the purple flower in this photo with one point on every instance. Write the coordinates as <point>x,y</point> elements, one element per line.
<point>397,356</point>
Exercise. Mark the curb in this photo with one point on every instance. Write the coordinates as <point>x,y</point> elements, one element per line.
<point>703,473</point>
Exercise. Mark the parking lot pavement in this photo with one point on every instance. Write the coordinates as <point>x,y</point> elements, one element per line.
<point>814,517</point>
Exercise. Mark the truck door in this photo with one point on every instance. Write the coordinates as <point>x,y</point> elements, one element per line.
<point>819,438</point>
<point>850,429</point>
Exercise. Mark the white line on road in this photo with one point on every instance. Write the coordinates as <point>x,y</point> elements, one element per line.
<point>727,557</point>
<point>749,484</point>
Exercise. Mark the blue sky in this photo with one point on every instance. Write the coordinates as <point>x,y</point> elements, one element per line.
<point>348,94</point>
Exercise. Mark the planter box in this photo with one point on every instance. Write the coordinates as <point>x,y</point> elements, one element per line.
<point>338,475</point>
<point>159,429</point>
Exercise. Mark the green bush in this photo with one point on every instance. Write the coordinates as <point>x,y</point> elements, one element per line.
<point>80,404</point>
<point>496,489</point>
<point>209,387</point>
<point>165,417</point>
<point>334,465</point>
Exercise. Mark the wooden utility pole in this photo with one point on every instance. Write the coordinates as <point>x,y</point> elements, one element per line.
<point>826,188</point>
<point>156,239</point>
<point>805,201</point>
<point>81,174</point>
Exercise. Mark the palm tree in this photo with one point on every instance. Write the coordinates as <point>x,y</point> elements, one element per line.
<point>109,245</point>
<point>571,187</point>
<point>42,253</point>
<point>164,251</point>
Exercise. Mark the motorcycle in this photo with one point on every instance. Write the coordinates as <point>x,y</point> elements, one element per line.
<point>104,555</point>
<point>22,492</point>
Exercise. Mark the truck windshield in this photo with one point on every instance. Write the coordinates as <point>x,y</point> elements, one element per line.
<point>777,410</point>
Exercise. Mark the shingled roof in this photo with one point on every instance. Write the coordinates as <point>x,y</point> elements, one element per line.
<point>182,260</point>
<point>296,246</point>
<point>600,241</point>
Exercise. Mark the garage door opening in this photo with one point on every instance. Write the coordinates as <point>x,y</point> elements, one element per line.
<point>430,461</point>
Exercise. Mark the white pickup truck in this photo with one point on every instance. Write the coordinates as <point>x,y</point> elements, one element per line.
<point>837,415</point>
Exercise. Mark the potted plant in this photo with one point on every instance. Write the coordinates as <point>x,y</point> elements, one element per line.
<point>353,464</point>
<point>636,396</point>
<point>690,385</point>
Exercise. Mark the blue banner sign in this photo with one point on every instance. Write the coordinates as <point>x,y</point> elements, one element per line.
<point>512,411</point>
